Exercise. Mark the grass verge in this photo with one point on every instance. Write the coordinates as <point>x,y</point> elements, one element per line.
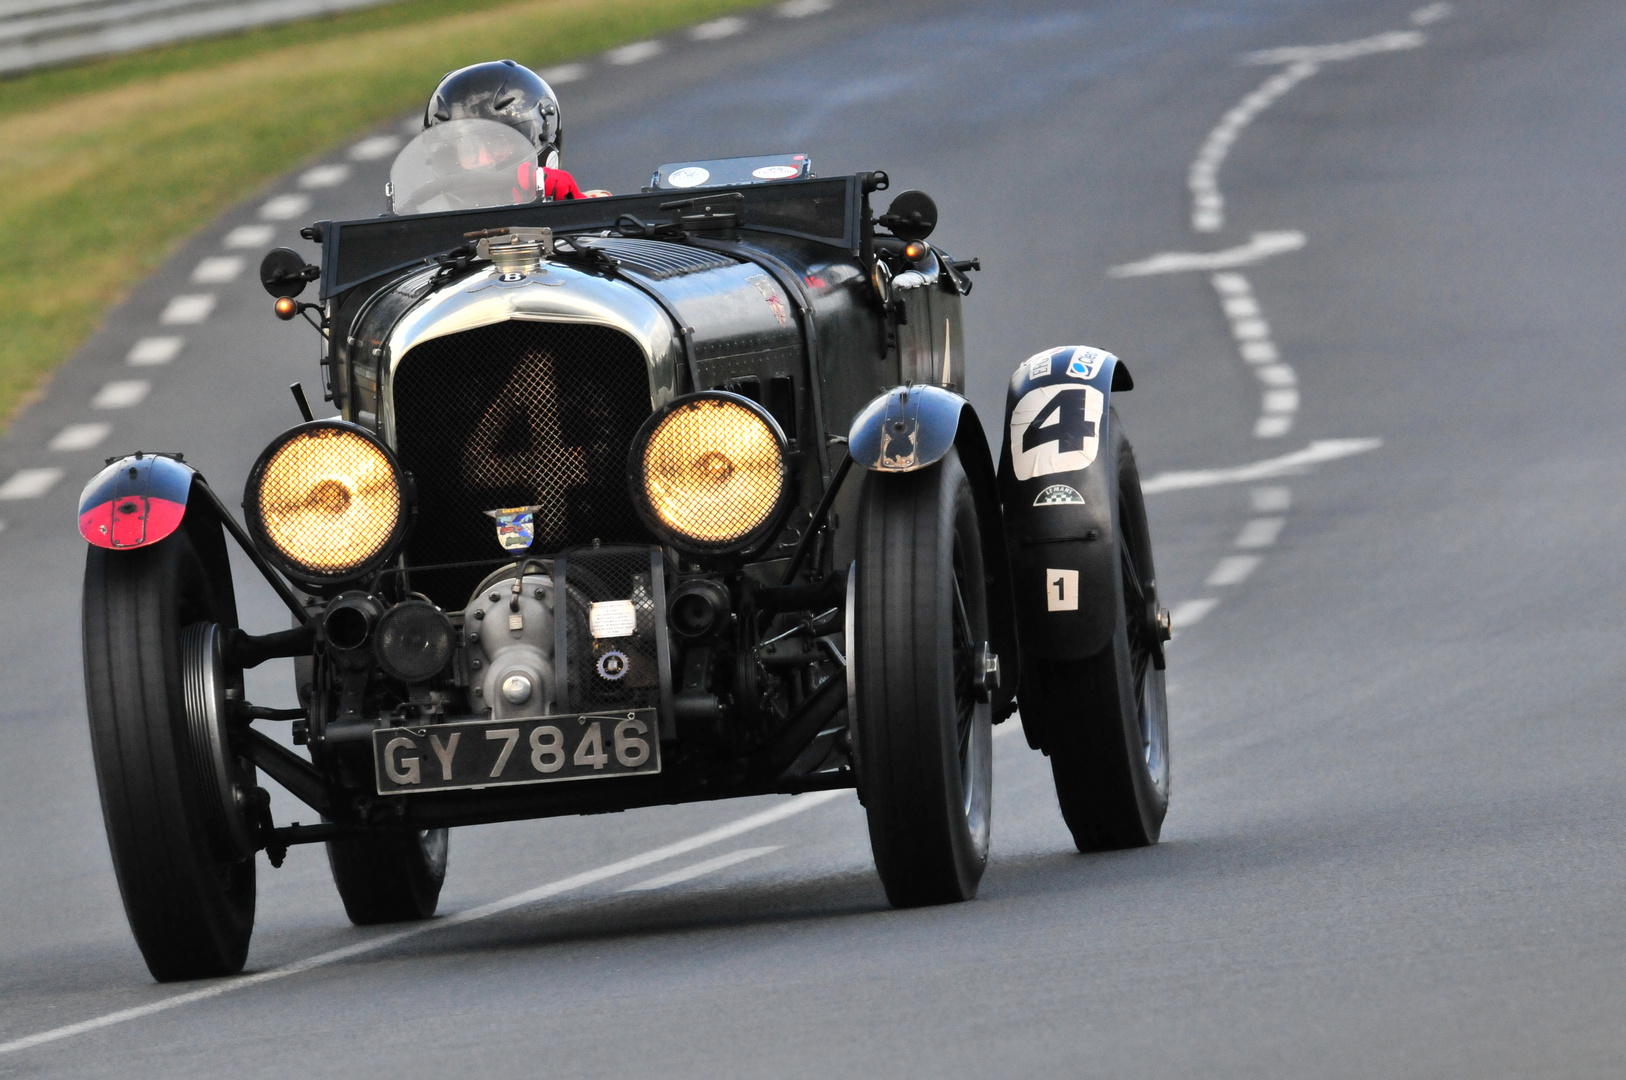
<point>108,166</point>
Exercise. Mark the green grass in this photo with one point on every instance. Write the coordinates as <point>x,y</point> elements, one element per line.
<point>108,166</point>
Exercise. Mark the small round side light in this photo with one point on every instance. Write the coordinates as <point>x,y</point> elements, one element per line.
<point>915,250</point>
<point>286,307</point>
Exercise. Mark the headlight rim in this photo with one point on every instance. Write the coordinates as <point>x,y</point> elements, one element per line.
<point>749,542</point>
<point>254,518</point>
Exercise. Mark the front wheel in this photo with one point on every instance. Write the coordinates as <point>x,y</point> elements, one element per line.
<point>1106,718</point>
<point>174,796</point>
<point>924,741</point>
<point>391,876</point>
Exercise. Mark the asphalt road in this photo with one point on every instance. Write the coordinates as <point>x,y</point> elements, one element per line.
<point>1396,843</point>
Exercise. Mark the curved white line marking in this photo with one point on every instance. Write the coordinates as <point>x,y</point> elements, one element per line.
<point>1207,203</point>
<point>1262,246</point>
<point>1318,452</point>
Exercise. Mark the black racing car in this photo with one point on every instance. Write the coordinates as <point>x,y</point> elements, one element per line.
<point>636,500</point>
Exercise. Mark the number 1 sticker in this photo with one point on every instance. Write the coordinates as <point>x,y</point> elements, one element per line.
<point>1062,589</point>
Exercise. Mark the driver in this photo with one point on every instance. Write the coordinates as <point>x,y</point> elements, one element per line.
<point>514,95</point>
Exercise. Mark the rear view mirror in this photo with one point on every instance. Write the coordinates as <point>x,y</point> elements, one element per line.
<point>284,272</point>
<point>912,216</point>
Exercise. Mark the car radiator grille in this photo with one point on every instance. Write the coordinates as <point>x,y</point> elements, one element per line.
<point>517,414</point>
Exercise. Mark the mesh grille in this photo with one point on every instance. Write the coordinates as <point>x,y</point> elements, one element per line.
<point>615,672</point>
<point>517,414</point>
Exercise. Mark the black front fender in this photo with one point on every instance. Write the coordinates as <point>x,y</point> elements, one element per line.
<point>913,427</point>
<point>1058,487</point>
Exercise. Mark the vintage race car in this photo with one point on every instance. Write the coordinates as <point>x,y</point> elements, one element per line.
<point>629,501</point>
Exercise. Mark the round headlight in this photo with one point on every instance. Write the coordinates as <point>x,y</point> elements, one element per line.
<point>324,502</point>
<point>708,472</point>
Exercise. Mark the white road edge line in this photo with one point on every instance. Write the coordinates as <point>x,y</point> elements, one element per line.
<point>790,808</point>
<point>702,868</point>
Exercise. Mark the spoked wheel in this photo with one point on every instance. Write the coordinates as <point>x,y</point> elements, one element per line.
<point>390,877</point>
<point>1106,718</point>
<point>924,740</point>
<point>175,799</point>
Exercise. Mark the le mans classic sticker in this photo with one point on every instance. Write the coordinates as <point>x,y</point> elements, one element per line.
<point>1059,495</point>
<point>1055,429</point>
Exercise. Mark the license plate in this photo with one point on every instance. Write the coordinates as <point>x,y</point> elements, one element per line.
<point>477,754</point>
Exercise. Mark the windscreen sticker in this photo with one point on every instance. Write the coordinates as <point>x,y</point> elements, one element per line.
<point>1086,362</point>
<point>775,172</point>
<point>1055,429</point>
<point>1059,495</point>
<point>693,176</point>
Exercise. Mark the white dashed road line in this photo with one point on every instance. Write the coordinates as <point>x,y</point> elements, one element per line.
<point>636,53</point>
<point>152,351</point>
<point>564,73</point>
<point>1271,500</point>
<point>188,309</point>
<point>218,269</point>
<point>787,809</point>
<point>801,9</point>
<point>285,207</point>
<point>1260,532</point>
<point>120,394</point>
<point>250,236</point>
<point>80,437</point>
<point>1280,399</point>
<point>1232,570</point>
<point>324,176</point>
<point>699,869</point>
<point>1189,613</point>
<point>717,29</point>
<point>1430,14</point>
<point>29,483</point>
<point>1302,61</point>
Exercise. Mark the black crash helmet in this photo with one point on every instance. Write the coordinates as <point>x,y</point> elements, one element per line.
<point>506,92</point>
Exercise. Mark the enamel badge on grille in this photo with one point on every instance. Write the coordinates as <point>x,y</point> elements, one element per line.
<point>515,528</point>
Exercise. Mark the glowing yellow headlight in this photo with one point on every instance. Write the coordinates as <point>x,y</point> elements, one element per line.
<point>328,500</point>
<point>713,471</point>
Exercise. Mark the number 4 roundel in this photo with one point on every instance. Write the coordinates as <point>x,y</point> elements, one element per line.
<point>1055,429</point>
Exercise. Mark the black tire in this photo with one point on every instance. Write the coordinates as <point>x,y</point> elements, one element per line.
<point>923,741</point>
<point>1106,718</point>
<point>389,877</point>
<point>189,899</point>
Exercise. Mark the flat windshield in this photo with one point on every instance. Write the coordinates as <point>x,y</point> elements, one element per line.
<point>461,165</point>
